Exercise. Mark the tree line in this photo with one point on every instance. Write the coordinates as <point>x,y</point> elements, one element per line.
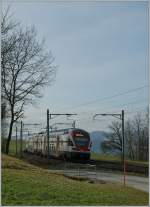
<point>26,68</point>
<point>136,138</point>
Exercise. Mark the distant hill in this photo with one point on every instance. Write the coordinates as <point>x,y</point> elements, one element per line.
<point>97,138</point>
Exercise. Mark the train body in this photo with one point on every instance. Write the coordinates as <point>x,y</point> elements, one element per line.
<point>68,143</point>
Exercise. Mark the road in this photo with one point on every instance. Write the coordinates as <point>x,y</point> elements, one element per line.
<point>138,182</point>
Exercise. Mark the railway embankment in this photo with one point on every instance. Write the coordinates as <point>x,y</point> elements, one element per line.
<point>139,168</point>
<point>104,165</point>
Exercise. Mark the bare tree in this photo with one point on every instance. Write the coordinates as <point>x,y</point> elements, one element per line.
<point>146,135</point>
<point>26,69</point>
<point>144,138</point>
<point>114,139</point>
<point>8,40</point>
<point>136,137</point>
<point>138,127</point>
<point>130,142</point>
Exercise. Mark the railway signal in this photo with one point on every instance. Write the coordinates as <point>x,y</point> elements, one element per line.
<point>121,117</point>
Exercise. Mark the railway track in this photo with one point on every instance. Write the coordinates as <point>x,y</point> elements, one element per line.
<point>100,164</point>
<point>117,166</point>
<point>114,165</point>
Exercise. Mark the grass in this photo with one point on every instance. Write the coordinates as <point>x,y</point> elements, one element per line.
<point>12,146</point>
<point>108,157</point>
<point>25,184</point>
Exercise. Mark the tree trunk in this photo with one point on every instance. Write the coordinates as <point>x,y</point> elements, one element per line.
<point>9,135</point>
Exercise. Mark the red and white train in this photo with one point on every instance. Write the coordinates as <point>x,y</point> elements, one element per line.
<point>68,143</point>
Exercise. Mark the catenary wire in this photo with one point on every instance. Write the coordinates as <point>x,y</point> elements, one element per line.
<point>108,97</point>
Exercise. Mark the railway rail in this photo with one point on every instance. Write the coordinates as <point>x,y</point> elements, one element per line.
<point>140,168</point>
<point>117,166</point>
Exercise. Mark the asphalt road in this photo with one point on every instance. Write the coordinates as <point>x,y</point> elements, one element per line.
<point>138,182</point>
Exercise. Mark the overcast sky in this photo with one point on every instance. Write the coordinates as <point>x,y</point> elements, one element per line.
<point>101,49</point>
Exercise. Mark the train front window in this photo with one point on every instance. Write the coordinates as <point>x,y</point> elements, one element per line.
<point>81,138</point>
<point>82,141</point>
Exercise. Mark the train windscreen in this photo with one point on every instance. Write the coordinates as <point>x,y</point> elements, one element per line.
<point>81,138</point>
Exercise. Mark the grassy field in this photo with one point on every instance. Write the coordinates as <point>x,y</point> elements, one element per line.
<point>108,157</point>
<point>25,184</point>
<point>97,156</point>
<point>12,147</point>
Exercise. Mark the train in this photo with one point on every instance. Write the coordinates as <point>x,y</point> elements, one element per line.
<point>72,143</point>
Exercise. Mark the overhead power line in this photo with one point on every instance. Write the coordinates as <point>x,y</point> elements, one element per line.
<point>108,97</point>
<point>116,111</point>
<point>117,106</point>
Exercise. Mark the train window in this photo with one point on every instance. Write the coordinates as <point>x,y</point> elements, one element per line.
<point>65,132</point>
<point>81,141</point>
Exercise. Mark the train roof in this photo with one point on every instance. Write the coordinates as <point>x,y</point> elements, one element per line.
<point>62,130</point>
<point>67,129</point>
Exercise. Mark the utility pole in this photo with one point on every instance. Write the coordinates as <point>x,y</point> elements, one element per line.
<point>121,117</point>
<point>21,128</point>
<point>74,124</point>
<point>49,116</point>
<point>16,140</point>
<point>26,140</point>
<point>123,148</point>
